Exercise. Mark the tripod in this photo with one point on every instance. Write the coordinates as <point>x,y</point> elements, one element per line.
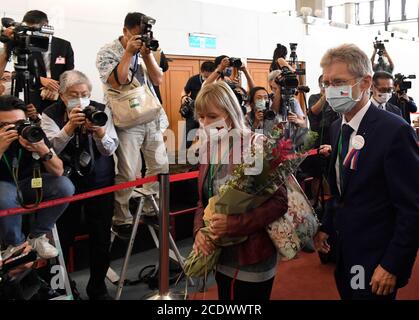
<point>21,77</point>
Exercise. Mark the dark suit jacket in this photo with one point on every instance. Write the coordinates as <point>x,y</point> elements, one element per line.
<point>391,108</point>
<point>377,218</point>
<point>59,49</point>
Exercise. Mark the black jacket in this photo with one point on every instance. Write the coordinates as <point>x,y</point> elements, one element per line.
<point>62,59</point>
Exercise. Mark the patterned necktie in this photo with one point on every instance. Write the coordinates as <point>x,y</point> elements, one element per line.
<point>346,136</point>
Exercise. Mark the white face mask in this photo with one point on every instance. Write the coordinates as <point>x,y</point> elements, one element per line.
<point>340,98</point>
<point>78,102</point>
<point>382,98</point>
<point>260,104</point>
<point>217,130</point>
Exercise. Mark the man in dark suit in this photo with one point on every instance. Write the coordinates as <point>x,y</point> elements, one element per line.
<point>382,89</point>
<point>47,66</point>
<point>374,179</point>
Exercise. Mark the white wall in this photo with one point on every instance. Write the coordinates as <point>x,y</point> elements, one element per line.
<point>90,24</point>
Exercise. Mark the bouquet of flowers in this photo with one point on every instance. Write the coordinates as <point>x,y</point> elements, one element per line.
<point>280,158</point>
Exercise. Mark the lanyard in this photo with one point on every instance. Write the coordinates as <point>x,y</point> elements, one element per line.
<point>6,160</point>
<point>213,171</point>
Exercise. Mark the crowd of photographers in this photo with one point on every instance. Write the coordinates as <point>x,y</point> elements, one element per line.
<point>58,141</point>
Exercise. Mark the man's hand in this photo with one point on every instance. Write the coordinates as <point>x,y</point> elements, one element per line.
<point>203,244</point>
<point>320,242</point>
<point>403,95</point>
<point>7,136</point>
<point>77,117</point>
<point>134,45</point>
<point>218,225</point>
<point>98,132</point>
<point>31,112</point>
<point>325,150</point>
<point>50,84</point>
<point>382,282</point>
<point>38,147</point>
<point>293,118</point>
<point>185,98</point>
<point>144,50</point>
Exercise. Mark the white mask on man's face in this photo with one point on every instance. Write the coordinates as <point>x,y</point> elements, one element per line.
<point>382,98</point>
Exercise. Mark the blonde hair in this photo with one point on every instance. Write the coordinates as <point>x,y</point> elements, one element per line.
<point>222,96</point>
<point>359,65</point>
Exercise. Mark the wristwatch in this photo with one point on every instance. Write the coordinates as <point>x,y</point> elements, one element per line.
<point>48,156</point>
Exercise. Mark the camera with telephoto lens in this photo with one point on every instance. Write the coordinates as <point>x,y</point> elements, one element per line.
<point>29,131</point>
<point>95,116</point>
<point>146,35</point>
<point>235,62</point>
<point>25,39</point>
<point>187,108</point>
<point>400,80</point>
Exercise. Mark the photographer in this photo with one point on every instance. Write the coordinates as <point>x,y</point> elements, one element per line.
<point>189,93</point>
<point>78,135</point>
<point>381,65</point>
<point>29,173</point>
<point>226,68</point>
<point>259,104</point>
<point>295,116</point>
<point>402,100</point>
<point>118,63</point>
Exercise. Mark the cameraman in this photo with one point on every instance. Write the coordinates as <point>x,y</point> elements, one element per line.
<point>115,62</point>
<point>65,125</point>
<point>19,165</point>
<point>387,67</point>
<point>295,116</point>
<point>47,65</point>
<point>403,101</point>
<point>189,93</point>
<point>224,70</point>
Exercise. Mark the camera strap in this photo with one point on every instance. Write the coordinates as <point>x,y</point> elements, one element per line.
<point>36,181</point>
<point>79,151</point>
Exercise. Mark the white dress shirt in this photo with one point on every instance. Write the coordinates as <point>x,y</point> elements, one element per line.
<point>354,124</point>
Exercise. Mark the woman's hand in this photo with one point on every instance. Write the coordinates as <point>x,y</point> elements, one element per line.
<point>292,117</point>
<point>203,244</point>
<point>218,226</point>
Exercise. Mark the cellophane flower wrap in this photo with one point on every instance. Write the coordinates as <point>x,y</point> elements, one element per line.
<point>280,157</point>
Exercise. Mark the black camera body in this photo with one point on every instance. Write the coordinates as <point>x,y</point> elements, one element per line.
<point>146,35</point>
<point>187,109</point>
<point>95,116</point>
<point>288,81</point>
<point>379,45</point>
<point>26,39</point>
<point>29,131</point>
<point>235,62</point>
<point>400,80</point>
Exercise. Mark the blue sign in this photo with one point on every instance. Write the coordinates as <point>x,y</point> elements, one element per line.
<point>202,42</point>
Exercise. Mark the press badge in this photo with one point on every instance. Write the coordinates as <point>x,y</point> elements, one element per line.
<point>60,60</point>
<point>36,183</point>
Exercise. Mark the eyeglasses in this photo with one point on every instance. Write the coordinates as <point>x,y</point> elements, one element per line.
<point>336,83</point>
<point>385,90</point>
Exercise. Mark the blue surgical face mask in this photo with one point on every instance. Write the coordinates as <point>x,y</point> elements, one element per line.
<point>228,72</point>
<point>82,102</point>
<point>340,98</point>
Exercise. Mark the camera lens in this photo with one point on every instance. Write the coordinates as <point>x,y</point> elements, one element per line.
<point>269,115</point>
<point>97,117</point>
<point>29,131</point>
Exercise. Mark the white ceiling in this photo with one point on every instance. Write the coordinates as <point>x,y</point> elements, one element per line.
<point>256,5</point>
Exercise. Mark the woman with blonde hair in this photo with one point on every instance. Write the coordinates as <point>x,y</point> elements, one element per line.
<point>246,270</point>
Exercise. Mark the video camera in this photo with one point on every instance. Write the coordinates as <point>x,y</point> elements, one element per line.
<point>26,39</point>
<point>146,35</point>
<point>187,108</point>
<point>400,80</point>
<point>379,45</point>
<point>288,81</point>
<point>95,116</point>
<point>294,59</point>
<point>29,131</point>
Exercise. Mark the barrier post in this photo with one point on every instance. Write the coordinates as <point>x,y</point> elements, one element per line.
<point>164,245</point>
